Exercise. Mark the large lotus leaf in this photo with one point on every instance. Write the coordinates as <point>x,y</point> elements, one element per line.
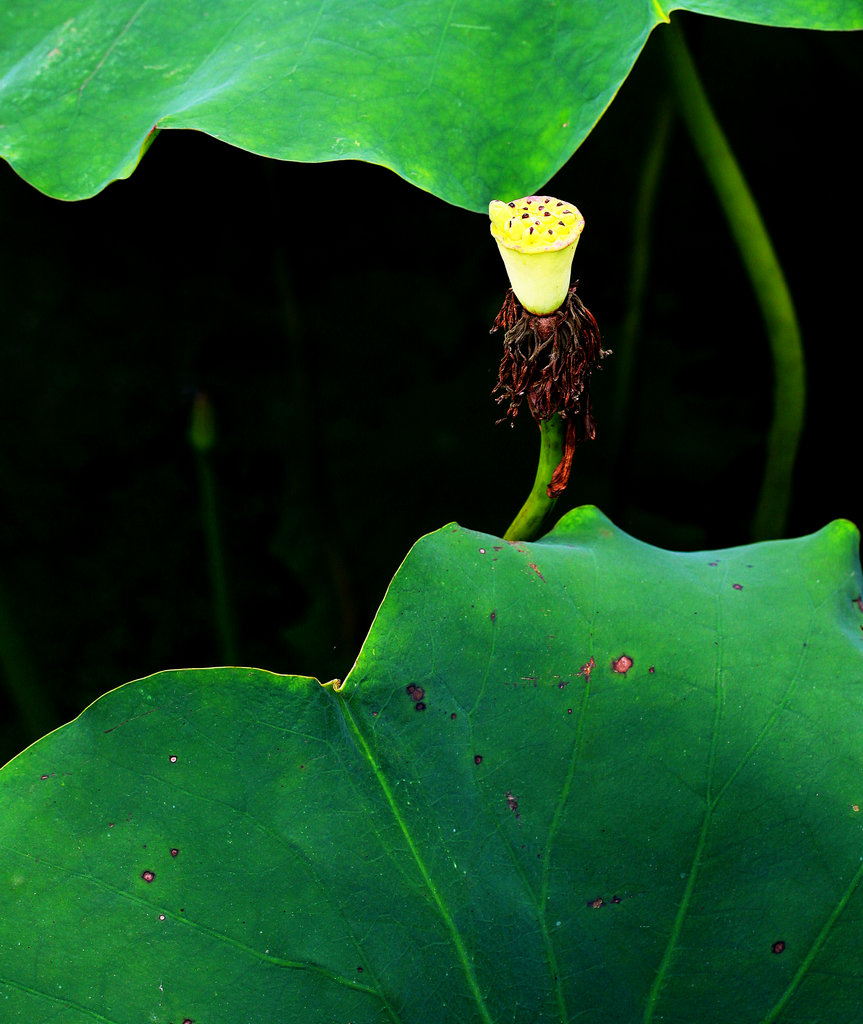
<point>582,779</point>
<point>469,100</point>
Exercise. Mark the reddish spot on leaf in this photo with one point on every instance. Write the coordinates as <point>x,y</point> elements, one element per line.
<point>859,602</point>
<point>713,563</point>
<point>622,664</point>
<point>453,715</point>
<point>493,616</point>
<point>43,777</point>
<point>416,693</point>
<point>173,758</point>
<point>174,851</point>
<point>615,899</point>
<point>778,947</point>
<point>161,917</point>
<point>148,876</point>
<point>597,903</point>
<point>536,570</point>
<point>651,670</point>
<point>419,706</point>
<point>586,669</point>
<point>477,758</point>
<point>360,970</point>
<point>737,586</point>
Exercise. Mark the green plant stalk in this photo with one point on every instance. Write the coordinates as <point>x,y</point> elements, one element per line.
<point>642,230</point>
<point>534,512</point>
<point>768,282</point>
<point>216,559</point>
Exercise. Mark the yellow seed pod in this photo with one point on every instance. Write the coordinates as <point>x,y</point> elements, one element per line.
<point>537,236</point>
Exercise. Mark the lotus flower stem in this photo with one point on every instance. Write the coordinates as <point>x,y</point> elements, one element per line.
<point>528,524</point>
<point>768,282</point>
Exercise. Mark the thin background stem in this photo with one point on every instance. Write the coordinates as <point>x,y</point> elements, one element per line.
<point>627,346</point>
<point>768,282</point>
<point>202,438</point>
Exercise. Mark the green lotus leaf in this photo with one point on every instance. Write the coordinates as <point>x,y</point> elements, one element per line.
<point>580,779</point>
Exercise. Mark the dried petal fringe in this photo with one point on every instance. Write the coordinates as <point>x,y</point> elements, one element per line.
<point>547,361</point>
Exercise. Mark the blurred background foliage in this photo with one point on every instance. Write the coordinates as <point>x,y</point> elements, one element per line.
<point>348,364</point>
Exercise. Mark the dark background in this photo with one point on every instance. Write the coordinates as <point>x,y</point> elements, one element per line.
<point>351,384</point>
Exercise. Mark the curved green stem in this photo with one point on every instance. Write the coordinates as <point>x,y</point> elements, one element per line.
<point>528,523</point>
<point>768,282</point>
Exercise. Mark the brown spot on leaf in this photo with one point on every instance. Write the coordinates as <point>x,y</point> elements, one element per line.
<point>595,904</point>
<point>416,693</point>
<point>586,669</point>
<point>511,802</point>
<point>622,664</point>
<point>778,946</point>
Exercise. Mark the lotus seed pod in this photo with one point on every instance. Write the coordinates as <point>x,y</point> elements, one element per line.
<point>537,236</point>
